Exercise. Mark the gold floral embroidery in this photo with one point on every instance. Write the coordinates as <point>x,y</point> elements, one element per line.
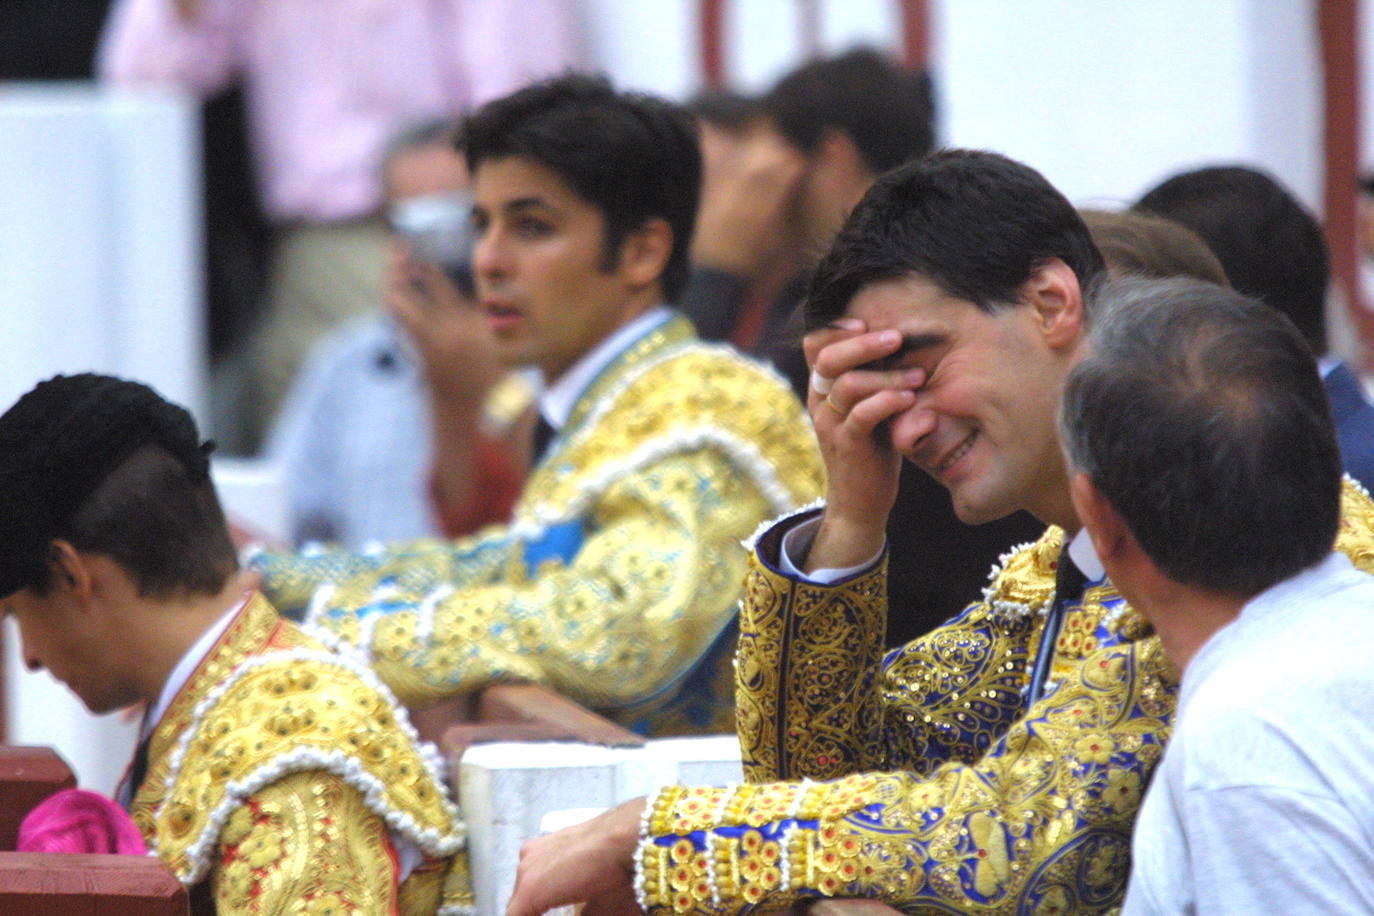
<point>1093,749</point>
<point>297,827</point>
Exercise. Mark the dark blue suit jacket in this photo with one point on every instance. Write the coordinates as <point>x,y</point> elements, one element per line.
<point>1354,418</point>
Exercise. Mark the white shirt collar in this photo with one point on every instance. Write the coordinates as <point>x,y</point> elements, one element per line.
<point>557,401</point>
<point>1084,556</point>
<point>187,666</point>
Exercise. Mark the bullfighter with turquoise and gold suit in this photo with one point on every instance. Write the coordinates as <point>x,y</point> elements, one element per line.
<point>284,779</point>
<point>928,779</point>
<point>618,580</point>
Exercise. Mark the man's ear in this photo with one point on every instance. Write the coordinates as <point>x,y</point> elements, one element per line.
<point>1053,292</point>
<point>1105,526</point>
<point>840,154</point>
<point>839,171</point>
<point>645,251</point>
<point>68,571</point>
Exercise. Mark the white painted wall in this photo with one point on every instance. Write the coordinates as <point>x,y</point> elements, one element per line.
<point>98,272</point>
<point>1107,99</point>
<point>1104,98</point>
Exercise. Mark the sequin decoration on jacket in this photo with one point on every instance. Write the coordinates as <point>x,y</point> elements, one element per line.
<point>922,778</point>
<point>617,582</point>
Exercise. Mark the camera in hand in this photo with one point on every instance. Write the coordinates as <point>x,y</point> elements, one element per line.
<point>438,229</point>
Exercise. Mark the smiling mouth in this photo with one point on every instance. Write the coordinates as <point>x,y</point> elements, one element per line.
<point>960,451</point>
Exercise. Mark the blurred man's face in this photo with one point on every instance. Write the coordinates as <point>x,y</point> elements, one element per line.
<point>67,638</point>
<point>430,209</point>
<point>832,184</point>
<point>541,276</point>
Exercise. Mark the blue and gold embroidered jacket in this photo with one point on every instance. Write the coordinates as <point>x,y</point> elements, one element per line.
<point>923,778</point>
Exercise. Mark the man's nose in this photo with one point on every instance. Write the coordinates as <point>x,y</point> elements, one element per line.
<point>910,428</point>
<point>489,256</point>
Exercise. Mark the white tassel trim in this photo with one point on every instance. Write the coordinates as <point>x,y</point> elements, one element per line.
<point>742,454</point>
<point>645,842</point>
<point>1351,481</point>
<point>1012,610</point>
<point>424,626</point>
<point>318,601</point>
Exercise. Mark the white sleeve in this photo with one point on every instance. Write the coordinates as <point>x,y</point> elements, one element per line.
<point>797,542</point>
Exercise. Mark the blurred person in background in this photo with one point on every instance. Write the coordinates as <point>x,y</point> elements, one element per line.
<point>1141,244</point>
<point>354,435</point>
<point>326,86</point>
<point>618,580</point>
<point>1273,249</point>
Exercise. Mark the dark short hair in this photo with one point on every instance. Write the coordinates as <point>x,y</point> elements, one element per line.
<point>634,157</point>
<point>1270,246</point>
<point>887,111</point>
<point>110,467</point>
<point>724,109</point>
<point>1134,242</point>
<point>976,224</point>
<point>1200,416</point>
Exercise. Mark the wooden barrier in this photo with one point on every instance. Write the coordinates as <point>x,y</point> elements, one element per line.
<point>54,884</point>
<point>517,712</point>
<point>27,776</point>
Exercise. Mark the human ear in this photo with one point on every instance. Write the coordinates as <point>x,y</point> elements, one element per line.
<point>68,570</point>
<point>1105,526</point>
<point>645,252</point>
<point>1053,292</point>
<point>838,151</point>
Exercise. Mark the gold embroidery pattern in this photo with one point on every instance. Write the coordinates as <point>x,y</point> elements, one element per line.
<point>304,845</point>
<point>945,696</point>
<point>1037,822</point>
<point>272,732</point>
<point>981,838</point>
<point>675,455</point>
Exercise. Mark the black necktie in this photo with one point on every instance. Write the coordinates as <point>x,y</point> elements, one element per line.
<point>137,771</point>
<point>1068,586</point>
<point>543,435</point>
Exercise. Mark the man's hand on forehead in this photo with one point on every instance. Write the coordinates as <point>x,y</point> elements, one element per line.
<point>851,364</point>
<point>850,407</point>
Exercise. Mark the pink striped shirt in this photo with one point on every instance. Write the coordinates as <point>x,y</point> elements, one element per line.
<point>329,81</point>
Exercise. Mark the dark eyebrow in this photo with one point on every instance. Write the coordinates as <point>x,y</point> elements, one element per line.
<point>528,203</point>
<point>911,343</point>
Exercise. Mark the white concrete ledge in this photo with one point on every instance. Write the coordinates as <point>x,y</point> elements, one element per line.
<point>508,790</point>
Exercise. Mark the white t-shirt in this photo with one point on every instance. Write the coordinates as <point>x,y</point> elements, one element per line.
<point>1264,802</point>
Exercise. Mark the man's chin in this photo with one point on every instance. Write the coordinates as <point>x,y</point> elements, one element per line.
<point>972,510</point>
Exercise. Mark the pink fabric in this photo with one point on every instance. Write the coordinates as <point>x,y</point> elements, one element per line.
<point>75,820</point>
<point>329,81</point>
